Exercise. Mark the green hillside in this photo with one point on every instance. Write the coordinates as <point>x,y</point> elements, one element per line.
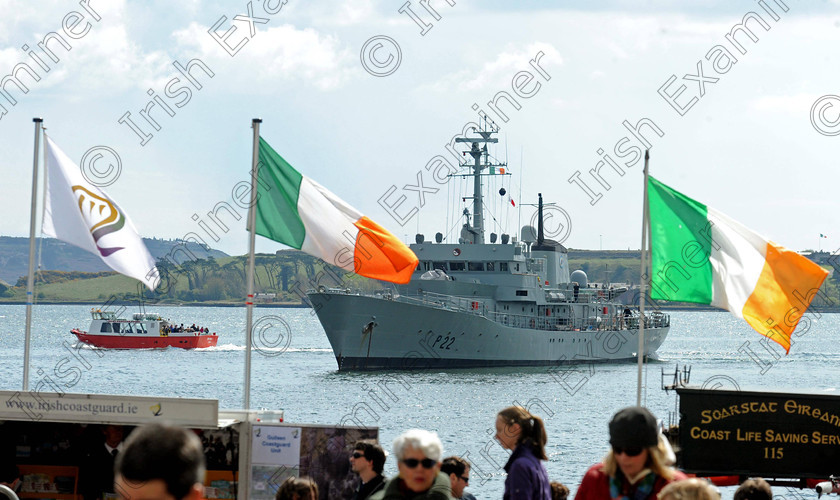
<point>57,255</point>
<point>287,275</point>
<point>284,277</point>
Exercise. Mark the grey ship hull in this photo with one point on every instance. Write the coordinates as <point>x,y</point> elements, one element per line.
<point>371,333</point>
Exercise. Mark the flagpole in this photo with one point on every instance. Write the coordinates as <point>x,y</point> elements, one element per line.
<point>30,279</point>
<point>642,287</point>
<point>249,301</point>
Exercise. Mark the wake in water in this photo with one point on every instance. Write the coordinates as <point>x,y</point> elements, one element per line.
<point>218,348</point>
<point>234,347</point>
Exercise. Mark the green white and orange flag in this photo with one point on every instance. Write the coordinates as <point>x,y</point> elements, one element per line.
<point>295,210</point>
<point>700,255</point>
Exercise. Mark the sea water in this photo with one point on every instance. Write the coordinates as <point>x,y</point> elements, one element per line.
<point>294,369</point>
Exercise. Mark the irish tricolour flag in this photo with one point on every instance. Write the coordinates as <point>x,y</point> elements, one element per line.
<point>299,212</point>
<point>700,255</point>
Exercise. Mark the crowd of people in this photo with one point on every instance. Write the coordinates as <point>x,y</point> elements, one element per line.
<point>638,466</point>
<point>168,462</point>
<point>181,328</point>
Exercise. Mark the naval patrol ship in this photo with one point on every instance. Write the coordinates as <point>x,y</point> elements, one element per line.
<point>485,304</point>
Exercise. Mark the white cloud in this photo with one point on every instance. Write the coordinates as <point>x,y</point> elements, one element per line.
<point>497,72</point>
<point>798,104</point>
<point>276,55</point>
<point>105,59</point>
<point>111,58</point>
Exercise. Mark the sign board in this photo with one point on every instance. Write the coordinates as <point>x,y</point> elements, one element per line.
<point>759,433</point>
<point>275,445</point>
<point>279,451</point>
<point>107,409</point>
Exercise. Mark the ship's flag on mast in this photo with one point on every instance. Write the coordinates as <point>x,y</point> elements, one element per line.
<point>81,214</point>
<point>700,255</point>
<point>295,210</point>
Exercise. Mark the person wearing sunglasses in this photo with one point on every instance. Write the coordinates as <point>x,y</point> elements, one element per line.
<point>458,471</point>
<point>518,430</point>
<point>636,466</point>
<point>418,455</point>
<point>367,461</point>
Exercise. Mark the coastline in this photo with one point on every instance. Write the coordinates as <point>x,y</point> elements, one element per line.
<point>290,305</point>
<point>300,305</point>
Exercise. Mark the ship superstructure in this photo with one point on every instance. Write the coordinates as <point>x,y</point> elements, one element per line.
<point>478,304</point>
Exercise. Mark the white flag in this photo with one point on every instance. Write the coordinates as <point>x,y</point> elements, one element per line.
<point>79,213</point>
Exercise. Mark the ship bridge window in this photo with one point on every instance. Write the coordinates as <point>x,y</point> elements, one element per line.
<point>491,266</point>
<point>105,328</point>
<point>126,328</point>
<point>503,266</point>
<point>427,265</point>
<point>140,328</point>
<point>476,266</point>
<point>115,327</point>
<point>457,266</point>
<point>440,265</point>
<point>522,293</point>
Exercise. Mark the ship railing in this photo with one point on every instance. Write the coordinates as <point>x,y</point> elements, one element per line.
<point>590,295</point>
<point>554,323</point>
<point>655,319</point>
<point>454,303</point>
<point>469,305</point>
<point>595,323</point>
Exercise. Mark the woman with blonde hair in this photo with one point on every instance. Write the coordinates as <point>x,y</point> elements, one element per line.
<point>518,430</point>
<point>690,489</point>
<point>636,466</point>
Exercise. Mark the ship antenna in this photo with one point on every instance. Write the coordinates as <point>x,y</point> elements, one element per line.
<point>478,201</point>
<point>540,235</point>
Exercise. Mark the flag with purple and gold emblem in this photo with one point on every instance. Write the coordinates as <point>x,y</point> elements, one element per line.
<point>81,214</point>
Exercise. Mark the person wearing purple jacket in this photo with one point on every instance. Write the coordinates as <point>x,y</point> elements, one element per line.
<point>518,430</point>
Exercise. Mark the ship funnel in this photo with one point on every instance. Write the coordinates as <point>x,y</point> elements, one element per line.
<point>493,237</point>
<point>505,239</point>
<point>419,238</point>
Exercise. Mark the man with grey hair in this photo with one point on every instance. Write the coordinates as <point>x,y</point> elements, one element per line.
<point>418,455</point>
<point>162,462</point>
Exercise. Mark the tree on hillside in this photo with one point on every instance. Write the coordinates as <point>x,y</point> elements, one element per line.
<point>206,266</point>
<point>269,264</point>
<point>233,267</point>
<point>286,272</point>
<point>189,269</point>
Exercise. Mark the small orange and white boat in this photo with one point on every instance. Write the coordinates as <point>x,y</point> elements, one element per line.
<point>143,331</point>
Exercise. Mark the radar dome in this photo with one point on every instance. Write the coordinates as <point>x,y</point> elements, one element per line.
<point>529,234</point>
<point>580,277</point>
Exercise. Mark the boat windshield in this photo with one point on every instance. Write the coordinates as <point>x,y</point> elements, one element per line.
<point>99,314</point>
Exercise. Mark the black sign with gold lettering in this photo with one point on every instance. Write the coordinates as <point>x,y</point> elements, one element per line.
<point>759,433</point>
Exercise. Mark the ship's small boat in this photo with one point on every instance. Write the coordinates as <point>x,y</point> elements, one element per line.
<point>142,331</point>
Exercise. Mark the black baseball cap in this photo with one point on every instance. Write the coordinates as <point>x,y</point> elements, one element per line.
<point>633,427</point>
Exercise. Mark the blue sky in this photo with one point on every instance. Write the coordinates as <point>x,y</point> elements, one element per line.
<point>750,146</point>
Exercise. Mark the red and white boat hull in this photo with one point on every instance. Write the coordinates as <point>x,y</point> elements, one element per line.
<point>184,341</point>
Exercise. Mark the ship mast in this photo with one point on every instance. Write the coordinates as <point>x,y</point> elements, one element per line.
<point>477,228</point>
